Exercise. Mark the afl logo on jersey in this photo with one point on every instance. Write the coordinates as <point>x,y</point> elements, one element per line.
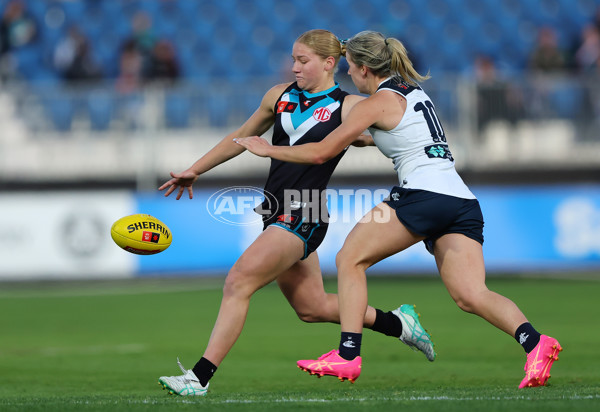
<point>322,114</point>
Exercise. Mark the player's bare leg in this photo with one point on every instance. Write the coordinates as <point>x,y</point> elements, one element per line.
<point>376,236</point>
<point>302,285</point>
<point>379,234</point>
<point>460,263</point>
<point>259,265</point>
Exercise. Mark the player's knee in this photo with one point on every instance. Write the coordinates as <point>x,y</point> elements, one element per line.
<point>347,260</point>
<point>310,312</point>
<point>308,316</point>
<point>344,259</point>
<point>238,283</point>
<point>467,302</point>
<point>464,305</point>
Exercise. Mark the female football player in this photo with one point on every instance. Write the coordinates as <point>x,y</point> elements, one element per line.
<point>431,204</point>
<point>301,112</point>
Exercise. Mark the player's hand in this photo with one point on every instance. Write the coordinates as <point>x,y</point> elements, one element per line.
<point>180,181</point>
<point>254,144</point>
<point>363,140</point>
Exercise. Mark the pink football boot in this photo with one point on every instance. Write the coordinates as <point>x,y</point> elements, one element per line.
<point>539,362</point>
<point>333,364</point>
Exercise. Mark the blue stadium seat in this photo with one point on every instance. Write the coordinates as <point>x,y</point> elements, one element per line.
<point>218,110</point>
<point>189,7</point>
<point>101,106</point>
<point>28,61</point>
<point>37,9</point>
<point>153,8</point>
<point>177,109</point>
<point>566,101</point>
<point>74,9</point>
<point>248,12</point>
<point>60,109</point>
<point>91,23</point>
<point>165,28</point>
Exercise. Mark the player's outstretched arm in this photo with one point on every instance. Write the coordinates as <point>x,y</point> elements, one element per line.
<point>260,121</point>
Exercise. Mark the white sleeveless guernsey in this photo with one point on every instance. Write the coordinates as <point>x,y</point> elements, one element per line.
<point>417,145</point>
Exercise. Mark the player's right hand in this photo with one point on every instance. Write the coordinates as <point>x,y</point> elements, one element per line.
<point>180,182</point>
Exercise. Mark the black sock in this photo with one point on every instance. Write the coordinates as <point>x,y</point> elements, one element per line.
<point>527,336</point>
<point>387,323</point>
<point>204,370</point>
<point>350,345</point>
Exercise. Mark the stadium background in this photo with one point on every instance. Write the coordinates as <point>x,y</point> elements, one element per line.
<point>92,123</point>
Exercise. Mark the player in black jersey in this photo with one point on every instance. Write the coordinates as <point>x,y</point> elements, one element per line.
<point>300,112</point>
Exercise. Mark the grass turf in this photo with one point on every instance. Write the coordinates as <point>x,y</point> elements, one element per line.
<point>102,345</point>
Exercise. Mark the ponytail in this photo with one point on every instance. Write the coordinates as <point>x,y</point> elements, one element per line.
<point>383,56</point>
<point>400,64</point>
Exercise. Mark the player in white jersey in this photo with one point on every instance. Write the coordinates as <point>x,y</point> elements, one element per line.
<point>431,204</point>
<point>417,145</point>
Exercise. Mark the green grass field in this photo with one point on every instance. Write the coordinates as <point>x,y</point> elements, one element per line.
<point>102,345</point>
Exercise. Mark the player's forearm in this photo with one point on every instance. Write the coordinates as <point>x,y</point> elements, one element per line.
<point>221,153</point>
<point>309,153</point>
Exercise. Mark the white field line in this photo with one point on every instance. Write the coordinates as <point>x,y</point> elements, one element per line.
<point>198,401</point>
<point>413,398</point>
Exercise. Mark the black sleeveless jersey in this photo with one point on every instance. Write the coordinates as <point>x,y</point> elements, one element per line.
<point>302,117</point>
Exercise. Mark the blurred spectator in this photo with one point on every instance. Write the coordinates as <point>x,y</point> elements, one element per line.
<point>587,56</point>
<point>128,84</point>
<point>130,68</point>
<point>73,59</point>
<point>587,59</point>
<point>163,64</point>
<point>17,30</point>
<point>142,36</point>
<point>496,100</point>
<point>547,56</point>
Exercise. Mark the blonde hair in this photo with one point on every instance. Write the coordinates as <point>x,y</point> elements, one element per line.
<point>383,56</point>
<point>323,42</point>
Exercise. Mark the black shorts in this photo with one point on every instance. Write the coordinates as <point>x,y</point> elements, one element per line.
<point>433,214</point>
<point>311,233</point>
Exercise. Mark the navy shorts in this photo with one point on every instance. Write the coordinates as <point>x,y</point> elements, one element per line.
<point>433,214</point>
<point>311,233</point>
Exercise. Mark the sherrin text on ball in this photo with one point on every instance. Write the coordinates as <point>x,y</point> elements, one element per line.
<point>141,234</point>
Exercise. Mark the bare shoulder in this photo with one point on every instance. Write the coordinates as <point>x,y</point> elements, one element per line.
<point>278,89</point>
<point>386,107</point>
<point>352,99</point>
<point>273,94</point>
<point>349,102</point>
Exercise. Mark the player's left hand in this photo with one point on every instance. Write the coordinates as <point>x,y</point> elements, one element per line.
<point>363,140</point>
<point>254,144</point>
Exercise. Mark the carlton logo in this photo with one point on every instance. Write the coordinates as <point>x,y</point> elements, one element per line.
<point>322,114</point>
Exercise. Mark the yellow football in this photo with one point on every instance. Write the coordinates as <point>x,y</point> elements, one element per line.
<point>141,234</point>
